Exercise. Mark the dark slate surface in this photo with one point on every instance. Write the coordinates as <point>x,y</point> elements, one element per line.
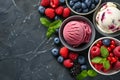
<point>24,49</point>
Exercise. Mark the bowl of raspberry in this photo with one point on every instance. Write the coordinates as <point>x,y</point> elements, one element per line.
<point>83,7</point>
<point>104,55</point>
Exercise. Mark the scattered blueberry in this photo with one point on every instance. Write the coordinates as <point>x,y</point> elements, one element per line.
<point>92,6</point>
<point>57,17</point>
<point>57,31</point>
<point>71,3</point>
<point>41,9</point>
<point>84,6</point>
<point>106,42</point>
<point>60,59</point>
<point>62,1</point>
<point>55,51</point>
<point>96,1</point>
<point>85,10</point>
<point>56,40</point>
<point>77,5</point>
<point>83,67</point>
<point>81,59</point>
<point>88,2</point>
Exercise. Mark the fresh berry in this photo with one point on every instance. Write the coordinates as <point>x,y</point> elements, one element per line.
<point>113,59</point>
<point>88,2</point>
<point>95,51</point>
<point>109,58</point>
<point>66,12</point>
<point>57,31</point>
<point>54,3</point>
<point>62,1</point>
<point>71,3</point>
<point>98,66</point>
<point>112,42</point>
<point>78,10</point>
<point>81,59</point>
<point>55,51</point>
<point>111,55</point>
<point>93,1</point>
<point>64,52</point>
<point>60,59</point>
<point>106,42</point>
<point>109,49</point>
<point>45,3</point>
<point>57,18</point>
<point>77,5</point>
<point>112,46</point>
<point>75,70</point>
<point>92,6</point>
<point>73,56</point>
<point>50,13</point>
<point>116,51</point>
<point>96,1</point>
<point>84,6</point>
<point>98,45</point>
<point>117,65</point>
<point>68,63</point>
<point>74,1</point>
<point>41,9</point>
<point>85,10</point>
<point>99,42</point>
<point>56,40</point>
<point>59,10</point>
<point>83,67</point>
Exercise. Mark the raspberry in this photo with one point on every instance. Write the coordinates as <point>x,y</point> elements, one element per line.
<point>45,3</point>
<point>66,12</point>
<point>73,56</point>
<point>49,12</point>
<point>64,52</point>
<point>54,3</point>
<point>59,10</point>
<point>68,63</point>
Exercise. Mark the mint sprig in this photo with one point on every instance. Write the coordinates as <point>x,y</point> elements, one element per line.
<point>104,52</point>
<point>91,73</point>
<point>45,22</point>
<point>106,64</point>
<point>96,60</point>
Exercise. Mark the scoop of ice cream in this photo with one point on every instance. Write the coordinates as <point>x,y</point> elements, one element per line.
<point>76,33</point>
<point>108,18</point>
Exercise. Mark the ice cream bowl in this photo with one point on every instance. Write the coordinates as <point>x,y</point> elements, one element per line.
<point>101,28</point>
<point>82,46</point>
<point>80,12</point>
<point>100,63</point>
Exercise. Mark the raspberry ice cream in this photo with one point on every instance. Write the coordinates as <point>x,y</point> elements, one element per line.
<point>108,18</point>
<point>76,33</point>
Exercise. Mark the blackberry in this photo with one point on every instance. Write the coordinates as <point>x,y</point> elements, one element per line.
<point>75,70</point>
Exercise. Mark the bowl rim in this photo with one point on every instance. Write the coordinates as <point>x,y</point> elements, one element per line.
<point>66,44</point>
<point>96,25</point>
<point>90,59</point>
<point>100,1</point>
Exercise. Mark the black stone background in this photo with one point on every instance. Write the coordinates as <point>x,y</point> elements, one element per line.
<point>24,49</point>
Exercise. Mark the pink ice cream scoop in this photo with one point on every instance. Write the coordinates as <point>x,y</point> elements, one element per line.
<point>76,33</point>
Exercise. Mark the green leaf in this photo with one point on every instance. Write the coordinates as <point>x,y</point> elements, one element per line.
<point>50,32</point>
<point>104,52</point>
<point>103,59</point>
<point>96,60</point>
<point>45,21</point>
<point>82,75</point>
<point>92,73</point>
<point>106,64</point>
<point>56,24</point>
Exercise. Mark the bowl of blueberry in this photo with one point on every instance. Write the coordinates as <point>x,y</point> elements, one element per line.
<point>83,7</point>
<point>104,55</point>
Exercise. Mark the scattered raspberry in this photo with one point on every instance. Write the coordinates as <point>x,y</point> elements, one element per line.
<point>59,10</point>
<point>54,3</point>
<point>66,12</point>
<point>68,63</point>
<point>45,3</point>
<point>49,12</point>
<point>73,56</point>
<point>64,52</point>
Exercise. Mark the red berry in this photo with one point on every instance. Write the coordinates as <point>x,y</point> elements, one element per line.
<point>117,65</point>
<point>50,13</point>
<point>98,45</point>
<point>111,55</point>
<point>64,52</point>
<point>112,42</point>
<point>109,58</point>
<point>112,46</point>
<point>95,51</point>
<point>113,59</point>
<point>109,49</point>
<point>45,3</point>
<point>59,10</point>
<point>54,3</point>
<point>66,12</point>
<point>116,51</point>
<point>99,42</point>
<point>68,63</point>
<point>98,66</point>
<point>73,56</point>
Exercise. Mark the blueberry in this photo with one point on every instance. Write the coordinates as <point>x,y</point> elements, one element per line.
<point>83,67</point>
<point>84,6</point>
<point>82,0</point>
<point>96,1</point>
<point>106,42</point>
<point>77,5</point>
<point>78,10</point>
<point>92,1</point>
<point>71,3</point>
<point>81,59</point>
<point>85,10</point>
<point>62,1</point>
<point>74,0</point>
<point>57,17</point>
<point>56,31</point>
<point>88,3</point>
<point>60,59</point>
<point>56,40</point>
<point>41,9</point>
<point>74,8</point>
<point>92,6</point>
<point>55,51</point>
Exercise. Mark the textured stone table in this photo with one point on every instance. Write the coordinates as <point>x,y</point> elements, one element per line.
<point>24,49</point>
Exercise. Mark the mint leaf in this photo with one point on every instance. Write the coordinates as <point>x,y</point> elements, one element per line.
<point>56,24</point>
<point>106,64</point>
<point>104,52</point>
<point>96,60</point>
<point>45,21</point>
<point>50,32</point>
<point>82,75</point>
<point>103,59</point>
<point>91,73</point>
